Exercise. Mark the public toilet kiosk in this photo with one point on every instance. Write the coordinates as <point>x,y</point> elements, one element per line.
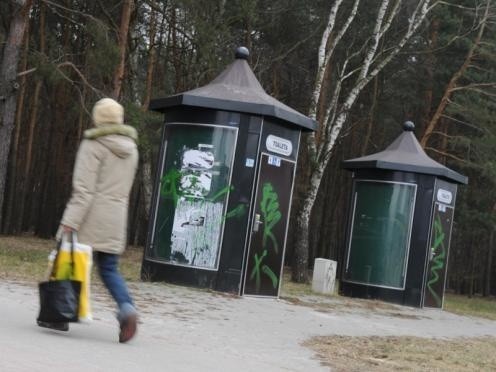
<point>400,225</point>
<point>225,177</point>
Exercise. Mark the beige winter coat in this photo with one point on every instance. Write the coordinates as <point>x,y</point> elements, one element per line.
<point>105,167</point>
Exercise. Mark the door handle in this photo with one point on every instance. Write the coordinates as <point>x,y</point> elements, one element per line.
<point>257,222</point>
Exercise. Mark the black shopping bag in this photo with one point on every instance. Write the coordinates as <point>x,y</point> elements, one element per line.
<point>59,301</point>
<point>59,298</point>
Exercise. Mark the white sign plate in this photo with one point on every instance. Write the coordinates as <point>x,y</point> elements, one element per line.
<point>279,145</point>
<point>444,196</point>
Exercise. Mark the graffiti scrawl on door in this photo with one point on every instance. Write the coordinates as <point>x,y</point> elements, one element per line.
<point>272,207</point>
<point>439,244</point>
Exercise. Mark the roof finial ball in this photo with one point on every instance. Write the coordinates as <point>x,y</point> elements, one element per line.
<point>242,53</point>
<point>408,126</point>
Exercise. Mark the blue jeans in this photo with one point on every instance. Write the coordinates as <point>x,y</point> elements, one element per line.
<point>109,272</point>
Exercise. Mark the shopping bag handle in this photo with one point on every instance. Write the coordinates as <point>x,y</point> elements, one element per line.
<point>59,245</point>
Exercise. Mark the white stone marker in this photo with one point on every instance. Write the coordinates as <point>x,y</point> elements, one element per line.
<point>324,276</point>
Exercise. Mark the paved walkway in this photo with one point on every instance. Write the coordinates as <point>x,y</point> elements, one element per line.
<point>184,329</point>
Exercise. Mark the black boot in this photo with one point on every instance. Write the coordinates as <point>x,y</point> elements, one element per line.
<point>54,326</point>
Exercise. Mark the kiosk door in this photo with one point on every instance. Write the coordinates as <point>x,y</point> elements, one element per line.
<point>442,222</point>
<point>265,257</point>
<point>438,260</point>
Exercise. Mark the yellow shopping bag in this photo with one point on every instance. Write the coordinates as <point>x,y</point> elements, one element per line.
<point>82,256</point>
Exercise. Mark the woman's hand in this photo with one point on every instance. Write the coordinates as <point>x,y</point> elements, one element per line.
<point>67,229</point>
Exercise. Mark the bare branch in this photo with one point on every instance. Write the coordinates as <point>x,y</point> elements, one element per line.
<point>454,80</point>
<point>474,85</point>
<point>72,10</point>
<point>27,72</point>
<point>455,5</point>
<point>448,155</point>
<point>470,125</point>
<point>80,74</point>
<point>108,16</point>
<point>81,96</point>
<point>288,51</point>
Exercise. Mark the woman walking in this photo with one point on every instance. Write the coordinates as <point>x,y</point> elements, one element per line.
<point>104,172</point>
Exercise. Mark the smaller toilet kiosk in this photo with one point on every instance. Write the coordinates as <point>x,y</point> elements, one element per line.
<point>400,225</point>
<point>225,177</point>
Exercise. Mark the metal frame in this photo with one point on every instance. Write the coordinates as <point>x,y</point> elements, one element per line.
<point>259,170</point>
<point>253,196</point>
<point>427,247</point>
<point>289,214</point>
<point>156,193</point>
<point>447,255</point>
<point>410,226</point>
<point>157,196</point>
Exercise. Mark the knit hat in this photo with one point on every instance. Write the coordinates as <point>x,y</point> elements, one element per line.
<point>107,112</point>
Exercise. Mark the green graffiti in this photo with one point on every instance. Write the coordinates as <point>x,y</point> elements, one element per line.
<point>170,185</point>
<point>269,206</point>
<point>273,277</point>
<point>222,192</point>
<point>170,188</point>
<point>255,273</point>
<point>237,212</point>
<point>270,211</point>
<point>438,261</point>
<point>258,267</point>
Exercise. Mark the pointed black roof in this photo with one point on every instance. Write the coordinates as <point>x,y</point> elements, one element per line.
<point>236,89</point>
<point>405,154</point>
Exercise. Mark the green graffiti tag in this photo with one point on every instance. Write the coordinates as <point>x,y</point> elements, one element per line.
<point>272,215</point>
<point>269,206</point>
<point>255,273</point>
<point>438,261</point>
<point>221,193</point>
<point>170,187</point>
<point>237,212</point>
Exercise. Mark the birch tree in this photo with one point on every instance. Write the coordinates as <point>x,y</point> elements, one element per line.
<point>351,74</point>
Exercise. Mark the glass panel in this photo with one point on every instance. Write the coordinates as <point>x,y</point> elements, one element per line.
<point>380,233</point>
<point>193,194</point>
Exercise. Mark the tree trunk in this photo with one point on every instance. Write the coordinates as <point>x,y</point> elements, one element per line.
<point>489,260</point>
<point>123,32</point>
<point>151,61</point>
<point>370,121</point>
<point>429,69</point>
<point>9,226</point>
<point>300,260</point>
<point>26,179</point>
<point>9,86</point>
<point>489,265</point>
<point>145,161</point>
<point>176,59</point>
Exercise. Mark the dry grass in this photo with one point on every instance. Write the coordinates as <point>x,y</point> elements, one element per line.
<point>475,306</point>
<point>343,353</point>
<point>25,258</point>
